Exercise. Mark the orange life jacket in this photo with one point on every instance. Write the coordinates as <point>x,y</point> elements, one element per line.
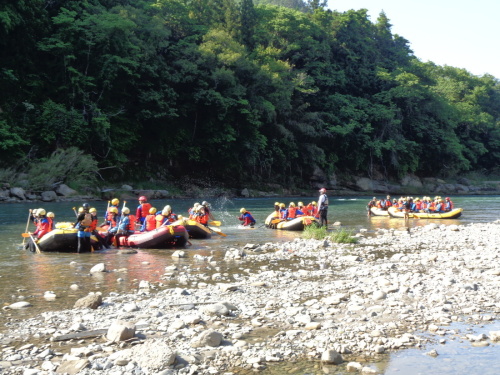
<point>159,220</point>
<point>93,224</point>
<point>51,223</point>
<point>202,219</point>
<point>143,209</point>
<point>292,212</point>
<point>111,218</point>
<point>150,222</point>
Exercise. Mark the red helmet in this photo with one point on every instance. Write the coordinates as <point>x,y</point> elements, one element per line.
<point>322,190</point>
<point>142,198</point>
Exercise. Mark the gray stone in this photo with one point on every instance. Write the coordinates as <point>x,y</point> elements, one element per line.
<point>65,191</point>
<point>49,196</point>
<point>18,192</point>
<point>155,355</point>
<point>127,187</point>
<point>217,309</point>
<point>245,193</point>
<point>120,330</point>
<point>72,367</point>
<point>92,301</point>
<point>179,254</point>
<point>161,194</point>
<point>331,356</point>
<point>17,305</point>
<point>207,338</point>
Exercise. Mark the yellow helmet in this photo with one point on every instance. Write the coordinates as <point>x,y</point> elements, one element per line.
<point>276,203</point>
<point>93,209</point>
<point>282,205</point>
<point>35,211</point>
<point>50,214</point>
<point>126,210</point>
<point>41,212</point>
<point>313,203</point>
<point>115,201</point>
<point>113,210</point>
<point>291,204</point>
<point>80,210</point>
<point>300,204</point>
<point>152,210</point>
<point>243,210</point>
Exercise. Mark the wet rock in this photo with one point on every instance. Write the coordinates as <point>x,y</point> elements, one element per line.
<point>100,267</point>
<point>331,356</point>
<point>18,193</point>
<point>17,305</point>
<point>65,191</point>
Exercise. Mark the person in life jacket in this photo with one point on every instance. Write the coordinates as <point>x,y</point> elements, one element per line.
<point>247,218</point>
<point>291,212</point>
<point>440,206</point>
<point>125,226</point>
<point>323,207</point>
<point>283,211</point>
<point>50,218</point>
<point>83,224</point>
<point>448,206</point>
<point>193,211</point>
<point>115,203</point>
<point>142,209</point>
<point>208,210</point>
<point>42,225</point>
<point>150,221</point>
<point>277,209</point>
<point>93,226</point>
<point>202,216</point>
<point>112,218</point>
<point>372,203</point>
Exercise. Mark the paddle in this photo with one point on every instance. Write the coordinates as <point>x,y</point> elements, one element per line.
<point>218,231</point>
<point>36,246</point>
<point>27,225</point>
<point>215,223</point>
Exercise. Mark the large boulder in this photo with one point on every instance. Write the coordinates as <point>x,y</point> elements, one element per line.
<point>161,194</point>
<point>155,355</point>
<point>18,193</point>
<point>364,184</point>
<point>65,191</point>
<point>245,193</point>
<point>49,196</point>
<point>207,338</point>
<point>411,181</point>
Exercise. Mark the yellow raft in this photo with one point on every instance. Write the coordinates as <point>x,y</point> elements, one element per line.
<point>453,214</point>
<point>297,224</point>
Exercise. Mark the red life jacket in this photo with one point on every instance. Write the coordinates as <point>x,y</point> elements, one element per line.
<point>51,223</point>
<point>93,225</point>
<point>150,222</point>
<point>42,227</point>
<point>292,212</point>
<point>143,210</point>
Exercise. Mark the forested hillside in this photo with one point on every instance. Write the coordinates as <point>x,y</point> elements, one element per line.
<point>234,91</point>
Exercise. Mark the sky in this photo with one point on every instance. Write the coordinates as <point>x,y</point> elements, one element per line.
<point>455,33</point>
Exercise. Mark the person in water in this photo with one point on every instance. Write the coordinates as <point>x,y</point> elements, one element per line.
<point>247,218</point>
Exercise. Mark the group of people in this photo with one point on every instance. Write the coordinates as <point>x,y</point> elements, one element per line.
<point>410,204</point>
<point>318,210</point>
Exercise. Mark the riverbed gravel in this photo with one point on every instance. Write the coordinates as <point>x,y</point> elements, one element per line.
<point>304,299</point>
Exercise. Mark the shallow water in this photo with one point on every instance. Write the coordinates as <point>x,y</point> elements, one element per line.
<point>457,356</point>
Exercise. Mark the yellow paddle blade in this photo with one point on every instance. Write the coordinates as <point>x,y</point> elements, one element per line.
<point>25,235</point>
<point>215,223</point>
<point>276,221</point>
<point>218,231</point>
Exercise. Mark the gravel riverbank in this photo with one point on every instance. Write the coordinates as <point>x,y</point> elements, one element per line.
<point>308,299</point>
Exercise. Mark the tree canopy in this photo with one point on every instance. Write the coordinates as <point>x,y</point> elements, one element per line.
<point>235,90</point>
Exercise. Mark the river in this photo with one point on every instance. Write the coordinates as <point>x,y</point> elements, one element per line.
<point>27,276</point>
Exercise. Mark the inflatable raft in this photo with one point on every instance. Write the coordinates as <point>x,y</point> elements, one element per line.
<point>64,241</point>
<point>453,214</point>
<point>297,224</point>
<point>194,229</point>
<point>375,211</point>
<point>161,238</point>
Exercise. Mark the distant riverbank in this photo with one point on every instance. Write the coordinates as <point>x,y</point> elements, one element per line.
<point>359,186</point>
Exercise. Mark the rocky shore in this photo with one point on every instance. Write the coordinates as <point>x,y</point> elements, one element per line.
<point>305,299</point>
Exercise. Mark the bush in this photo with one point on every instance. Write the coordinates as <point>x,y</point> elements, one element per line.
<point>70,166</point>
<point>343,236</point>
<point>314,232</point>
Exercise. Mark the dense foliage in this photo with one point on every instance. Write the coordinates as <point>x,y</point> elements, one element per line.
<point>234,91</point>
